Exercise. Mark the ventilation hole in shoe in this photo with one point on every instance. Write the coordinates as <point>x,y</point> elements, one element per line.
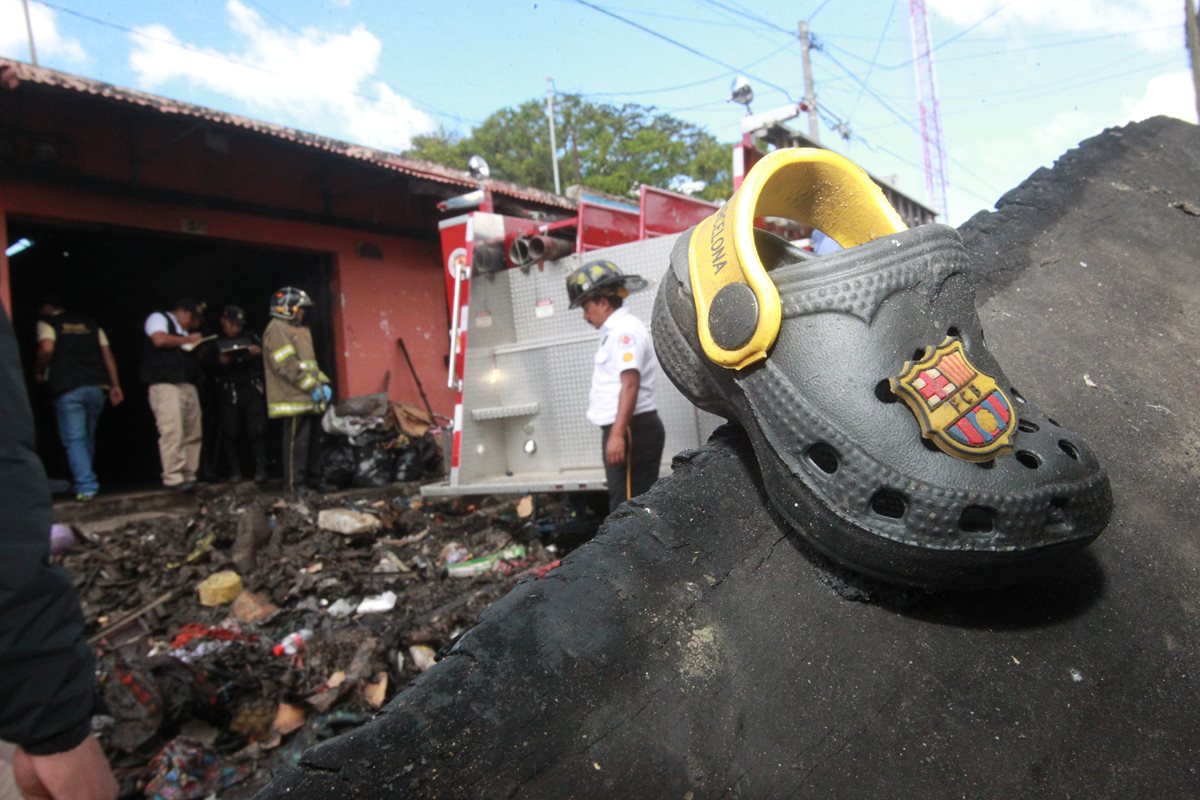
<point>918,355</point>
<point>824,458</point>
<point>953,331</point>
<point>1025,426</point>
<point>1068,448</point>
<point>986,464</point>
<point>1028,459</point>
<point>1053,422</point>
<point>929,445</point>
<point>889,503</point>
<point>977,519</point>
<point>884,393</point>
<point>1056,513</point>
<point>1020,398</point>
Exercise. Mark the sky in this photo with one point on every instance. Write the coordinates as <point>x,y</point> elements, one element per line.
<point>1018,82</point>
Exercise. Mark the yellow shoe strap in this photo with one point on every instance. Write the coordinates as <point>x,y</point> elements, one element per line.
<point>737,305</point>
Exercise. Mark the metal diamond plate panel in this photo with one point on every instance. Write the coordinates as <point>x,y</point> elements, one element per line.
<point>526,348</point>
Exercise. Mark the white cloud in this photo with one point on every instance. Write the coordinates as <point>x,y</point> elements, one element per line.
<point>49,43</point>
<point>1159,23</point>
<point>1172,94</point>
<point>1008,161</point>
<point>315,80</point>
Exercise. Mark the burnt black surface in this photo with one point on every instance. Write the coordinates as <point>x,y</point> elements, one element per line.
<point>694,650</point>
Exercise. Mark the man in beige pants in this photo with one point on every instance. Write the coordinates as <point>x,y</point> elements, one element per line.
<point>171,372</point>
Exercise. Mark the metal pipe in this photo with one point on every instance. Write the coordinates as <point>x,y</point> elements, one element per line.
<point>518,252</point>
<point>543,248</point>
<point>451,380</point>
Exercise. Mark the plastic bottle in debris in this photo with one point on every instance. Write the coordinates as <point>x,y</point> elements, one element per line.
<point>292,643</point>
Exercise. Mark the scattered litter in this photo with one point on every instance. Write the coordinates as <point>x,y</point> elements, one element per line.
<point>375,690</point>
<point>62,539</point>
<point>525,507</point>
<point>341,608</point>
<point>478,566</point>
<point>1087,379</point>
<point>380,602</point>
<point>292,643</point>
<point>220,588</point>
<point>453,553</point>
<point>423,656</point>
<point>198,686</point>
<point>345,521</point>
<point>252,607</point>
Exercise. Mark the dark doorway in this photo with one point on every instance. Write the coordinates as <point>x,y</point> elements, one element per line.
<point>119,276</point>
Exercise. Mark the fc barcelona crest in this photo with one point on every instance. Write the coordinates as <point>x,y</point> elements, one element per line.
<point>959,408</point>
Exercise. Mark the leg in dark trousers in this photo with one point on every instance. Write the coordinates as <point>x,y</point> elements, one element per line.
<point>301,452</point>
<point>253,418</point>
<point>230,428</point>
<point>640,471</point>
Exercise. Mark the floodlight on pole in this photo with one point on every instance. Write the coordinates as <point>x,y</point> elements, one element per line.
<point>478,167</point>
<point>741,92</point>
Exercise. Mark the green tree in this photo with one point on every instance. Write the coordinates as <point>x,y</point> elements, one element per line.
<point>612,148</point>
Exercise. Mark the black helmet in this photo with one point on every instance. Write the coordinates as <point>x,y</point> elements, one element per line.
<point>600,279</point>
<point>287,301</point>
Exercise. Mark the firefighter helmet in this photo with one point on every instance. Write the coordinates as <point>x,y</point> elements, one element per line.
<point>600,279</point>
<point>287,301</point>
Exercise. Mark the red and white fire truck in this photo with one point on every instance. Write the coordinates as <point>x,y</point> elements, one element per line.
<point>521,362</point>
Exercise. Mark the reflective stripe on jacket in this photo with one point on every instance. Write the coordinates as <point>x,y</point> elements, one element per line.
<point>291,369</point>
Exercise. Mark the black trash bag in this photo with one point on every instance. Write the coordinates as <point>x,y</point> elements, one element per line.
<point>430,453</point>
<point>338,463</point>
<point>409,466</point>
<point>374,466</point>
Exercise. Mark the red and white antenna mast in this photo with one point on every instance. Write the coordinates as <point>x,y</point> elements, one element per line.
<point>927,103</point>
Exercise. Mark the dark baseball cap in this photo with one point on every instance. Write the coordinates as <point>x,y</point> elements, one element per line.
<point>234,314</point>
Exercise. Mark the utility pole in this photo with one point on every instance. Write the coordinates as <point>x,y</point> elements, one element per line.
<point>29,33</point>
<point>1191,28</point>
<point>810,97</point>
<point>553,143</point>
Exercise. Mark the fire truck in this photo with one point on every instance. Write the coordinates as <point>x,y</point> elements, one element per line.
<point>521,361</point>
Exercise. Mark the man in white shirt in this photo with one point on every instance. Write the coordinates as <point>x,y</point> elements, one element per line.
<point>621,400</point>
<point>171,373</point>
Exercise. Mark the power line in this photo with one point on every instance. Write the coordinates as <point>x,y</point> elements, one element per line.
<point>692,84</point>
<point>275,16</point>
<point>681,45</point>
<point>1058,42</point>
<point>747,14</point>
<point>908,122</point>
<point>813,15</point>
<point>875,57</point>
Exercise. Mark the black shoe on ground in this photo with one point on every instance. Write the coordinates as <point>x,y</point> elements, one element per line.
<point>887,433</point>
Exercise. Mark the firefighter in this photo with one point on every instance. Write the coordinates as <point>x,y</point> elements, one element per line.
<point>297,389</point>
<point>621,400</point>
<point>236,363</point>
<point>76,363</point>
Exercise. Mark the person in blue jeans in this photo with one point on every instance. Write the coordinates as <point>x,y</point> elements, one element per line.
<point>75,361</point>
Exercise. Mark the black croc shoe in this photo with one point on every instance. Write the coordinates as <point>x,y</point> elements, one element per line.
<point>887,434</point>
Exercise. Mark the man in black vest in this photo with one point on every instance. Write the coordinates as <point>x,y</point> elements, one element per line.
<point>236,363</point>
<point>76,363</point>
<point>171,372</point>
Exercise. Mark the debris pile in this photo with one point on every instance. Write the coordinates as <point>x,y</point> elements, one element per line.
<point>233,638</point>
